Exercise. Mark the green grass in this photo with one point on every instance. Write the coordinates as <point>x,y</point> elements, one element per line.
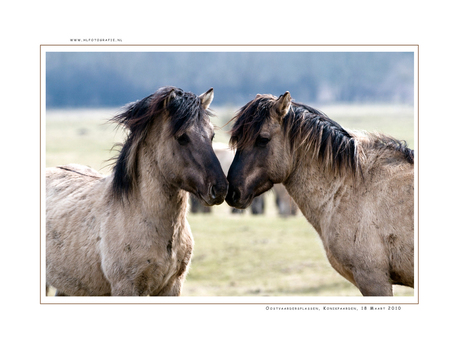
<point>235,254</point>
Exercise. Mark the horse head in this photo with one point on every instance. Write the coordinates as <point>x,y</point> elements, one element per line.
<point>262,156</point>
<point>171,139</point>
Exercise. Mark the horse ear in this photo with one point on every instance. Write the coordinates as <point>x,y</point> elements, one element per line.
<point>282,105</point>
<point>172,94</point>
<point>206,98</point>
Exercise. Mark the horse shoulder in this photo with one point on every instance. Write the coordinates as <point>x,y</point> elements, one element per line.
<point>375,228</point>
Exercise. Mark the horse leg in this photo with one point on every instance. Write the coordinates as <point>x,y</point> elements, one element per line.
<point>373,283</point>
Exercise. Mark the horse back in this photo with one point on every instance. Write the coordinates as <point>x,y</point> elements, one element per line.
<point>69,169</point>
<point>62,181</point>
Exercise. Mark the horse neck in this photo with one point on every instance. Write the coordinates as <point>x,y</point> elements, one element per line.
<point>315,189</point>
<point>162,201</point>
<point>155,198</point>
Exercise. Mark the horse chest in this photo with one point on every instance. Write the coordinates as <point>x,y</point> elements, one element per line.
<point>164,271</point>
<point>174,256</point>
<point>167,263</point>
<point>146,258</point>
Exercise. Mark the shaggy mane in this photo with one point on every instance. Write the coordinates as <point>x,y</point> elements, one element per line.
<point>312,131</point>
<point>183,109</point>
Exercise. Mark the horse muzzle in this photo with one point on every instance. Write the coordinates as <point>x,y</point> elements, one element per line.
<point>234,198</point>
<point>215,194</point>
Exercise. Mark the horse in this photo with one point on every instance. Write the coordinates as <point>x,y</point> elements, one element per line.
<point>126,234</point>
<point>354,187</point>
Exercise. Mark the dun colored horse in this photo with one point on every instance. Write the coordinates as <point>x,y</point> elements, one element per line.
<point>355,188</point>
<point>127,233</point>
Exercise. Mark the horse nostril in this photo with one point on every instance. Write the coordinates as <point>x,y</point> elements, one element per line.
<point>235,195</point>
<point>212,192</point>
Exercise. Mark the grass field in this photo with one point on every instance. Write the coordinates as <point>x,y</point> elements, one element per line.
<point>236,254</point>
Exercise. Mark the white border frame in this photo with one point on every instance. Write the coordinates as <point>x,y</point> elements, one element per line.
<point>307,300</point>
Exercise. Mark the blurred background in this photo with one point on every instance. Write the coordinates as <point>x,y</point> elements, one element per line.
<point>113,79</point>
<point>270,250</point>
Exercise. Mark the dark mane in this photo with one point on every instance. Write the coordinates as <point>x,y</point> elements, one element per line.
<point>329,142</point>
<point>183,108</point>
<point>307,128</point>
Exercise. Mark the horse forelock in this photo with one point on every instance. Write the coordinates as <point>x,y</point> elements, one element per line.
<point>185,110</point>
<point>180,109</point>
<point>249,121</point>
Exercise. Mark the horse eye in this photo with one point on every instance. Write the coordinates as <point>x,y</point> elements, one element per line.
<point>262,142</point>
<point>183,139</point>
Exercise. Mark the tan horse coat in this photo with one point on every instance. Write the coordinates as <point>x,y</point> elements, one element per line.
<point>114,254</point>
<point>126,234</point>
<point>356,189</point>
<point>367,226</point>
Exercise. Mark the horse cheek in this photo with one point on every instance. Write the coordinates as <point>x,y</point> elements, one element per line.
<point>275,164</point>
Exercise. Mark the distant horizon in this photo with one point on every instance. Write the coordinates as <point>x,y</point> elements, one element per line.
<point>113,79</point>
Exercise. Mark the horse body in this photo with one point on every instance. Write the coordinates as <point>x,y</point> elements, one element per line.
<point>367,229</point>
<point>127,233</point>
<point>356,189</point>
<point>138,251</point>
